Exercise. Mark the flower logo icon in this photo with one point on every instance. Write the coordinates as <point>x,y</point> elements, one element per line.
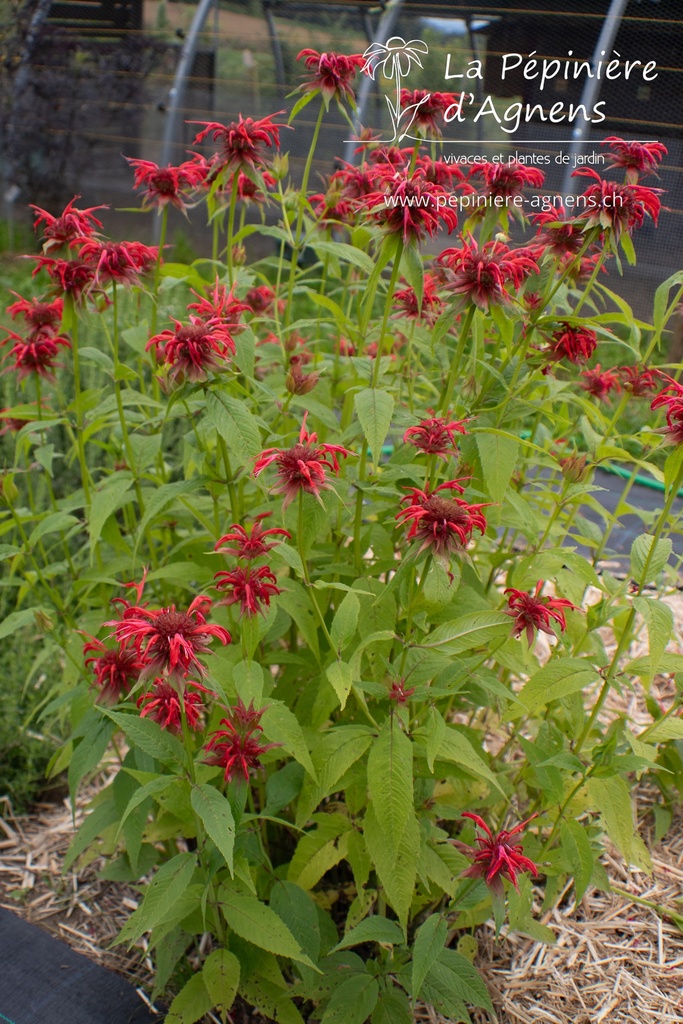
<point>395,59</point>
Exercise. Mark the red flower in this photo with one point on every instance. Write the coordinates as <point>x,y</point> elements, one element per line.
<point>636,157</point>
<point>445,524</point>
<point>165,704</point>
<point>557,235</point>
<point>637,380</point>
<point>261,301</point>
<point>169,639</point>
<point>435,436</point>
<point>507,180</point>
<point>243,143</point>
<point>39,316</point>
<point>332,74</point>
<point>193,350</point>
<point>599,383</point>
<point>37,355</point>
<point>167,184</point>
<point>406,300</point>
<point>577,344</point>
<point>496,857</point>
<point>221,307</point>
<point>614,207</point>
<point>398,693</point>
<point>412,208</point>
<point>252,587</point>
<point>429,109</point>
<point>247,190</point>
<point>302,467</point>
<point>72,277</point>
<point>671,397</point>
<point>481,274</point>
<point>236,748</point>
<point>531,611</point>
<point>251,545</point>
<point>115,669</point>
<point>441,173</point>
<point>122,262</point>
<point>70,225</point>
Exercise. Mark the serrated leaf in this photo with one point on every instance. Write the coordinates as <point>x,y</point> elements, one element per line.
<point>353,1001</point>
<point>660,626</point>
<point>558,678</point>
<point>18,620</point>
<point>235,424</point>
<point>158,500</point>
<point>498,456</point>
<point>104,504</point>
<point>167,886</point>
<point>345,621</point>
<point>457,748</point>
<point>640,552</point>
<point>215,813</point>
<point>260,925</point>
<point>347,253</point>
<point>430,939</point>
<point>667,729</point>
<point>374,409</point>
<point>300,913</point>
<point>88,753</point>
<point>612,798</point>
<point>392,1008</point>
<point>578,851</point>
<point>390,779</point>
<point>319,850</point>
<point>221,974</point>
<point>341,679</point>
<point>150,737</point>
<point>95,823</point>
<point>372,929</point>
<point>280,725</point>
<point>191,1003</point>
<point>56,522</point>
<point>299,607</point>
<point>478,629</point>
<point>395,864</point>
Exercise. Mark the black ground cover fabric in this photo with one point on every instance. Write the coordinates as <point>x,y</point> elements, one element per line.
<point>42,981</point>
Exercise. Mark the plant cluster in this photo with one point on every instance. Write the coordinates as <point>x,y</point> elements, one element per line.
<point>315,556</point>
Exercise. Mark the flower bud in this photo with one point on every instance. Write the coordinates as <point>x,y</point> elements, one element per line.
<point>574,467</point>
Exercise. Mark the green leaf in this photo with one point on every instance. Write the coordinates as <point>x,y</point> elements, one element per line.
<point>216,816</point>
<point>104,504</point>
<point>457,748</point>
<point>451,983</point>
<point>345,621</point>
<point>104,815</point>
<point>300,913</point>
<point>412,267</point>
<point>392,1008</point>
<point>191,1003</point>
<point>662,299</point>
<point>18,620</point>
<point>558,678</point>
<point>660,626</point>
<point>612,798</point>
<point>353,1001</point>
<point>430,939</point>
<point>56,522</point>
<point>136,337</point>
<point>158,499</point>
<point>347,253</point>
<point>280,725</point>
<point>89,752</point>
<point>320,850</point>
<point>395,864</point>
<point>341,678</point>
<point>640,552</point>
<point>478,629</point>
<point>667,729</point>
<point>235,424</point>
<point>372,929</point>
<point>390,779</point>
<point>333,755</point>
<point>434,732</point>
<point>374,409</point>
<point>258,924</point>
<point>150,737</point>
<point>577,849</point>
<point>298,606</point>
<point>498,458</point>
<point>221,974</point>
<point>167,886</point>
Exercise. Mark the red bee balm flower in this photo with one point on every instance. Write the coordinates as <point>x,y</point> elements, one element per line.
<point>194,349</point>
<point>429,109</point>
<point>508,179</point>
<point>39,316</point>
<point>115,669</point>
<point>221,307</point>
<point>243,143</point>
<point>636,157</point>
<point>165,704</point>
<point>671,397</point>
<point>412,208</point>
<point>496,857</point>
<point>637,380</point>
<point>532,612</point>
<point>236,748</point>
<point>37,355</point>
<point>72,277</point>
<point>70,225</point>
<point>577,344</point>
<point>252,545</point>
<point>166,184</point>
<point>435,436</point>
<point>121,262</point>
<point>252,587</point>
<point>332,74</point>
<point>428,311</point>
<point>614,207</point>
<point>168,638</point>
<point>599,383</point>
<point>302,467</point>
<point>481,274</point>
<point>445,524</point>
<point>398,693</point>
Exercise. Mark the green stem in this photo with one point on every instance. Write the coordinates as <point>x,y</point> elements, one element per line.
<point>385,319</point>
<point>296,248</point>
<point>80,442</point>
<point>231,224</point>
<point>455,365</point>
<point>307,578</point>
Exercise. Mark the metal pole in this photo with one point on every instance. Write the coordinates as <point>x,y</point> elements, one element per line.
<point>591,89</point>
<point>384,31</point>
<point>177,91</point>
<point>277,48</point>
